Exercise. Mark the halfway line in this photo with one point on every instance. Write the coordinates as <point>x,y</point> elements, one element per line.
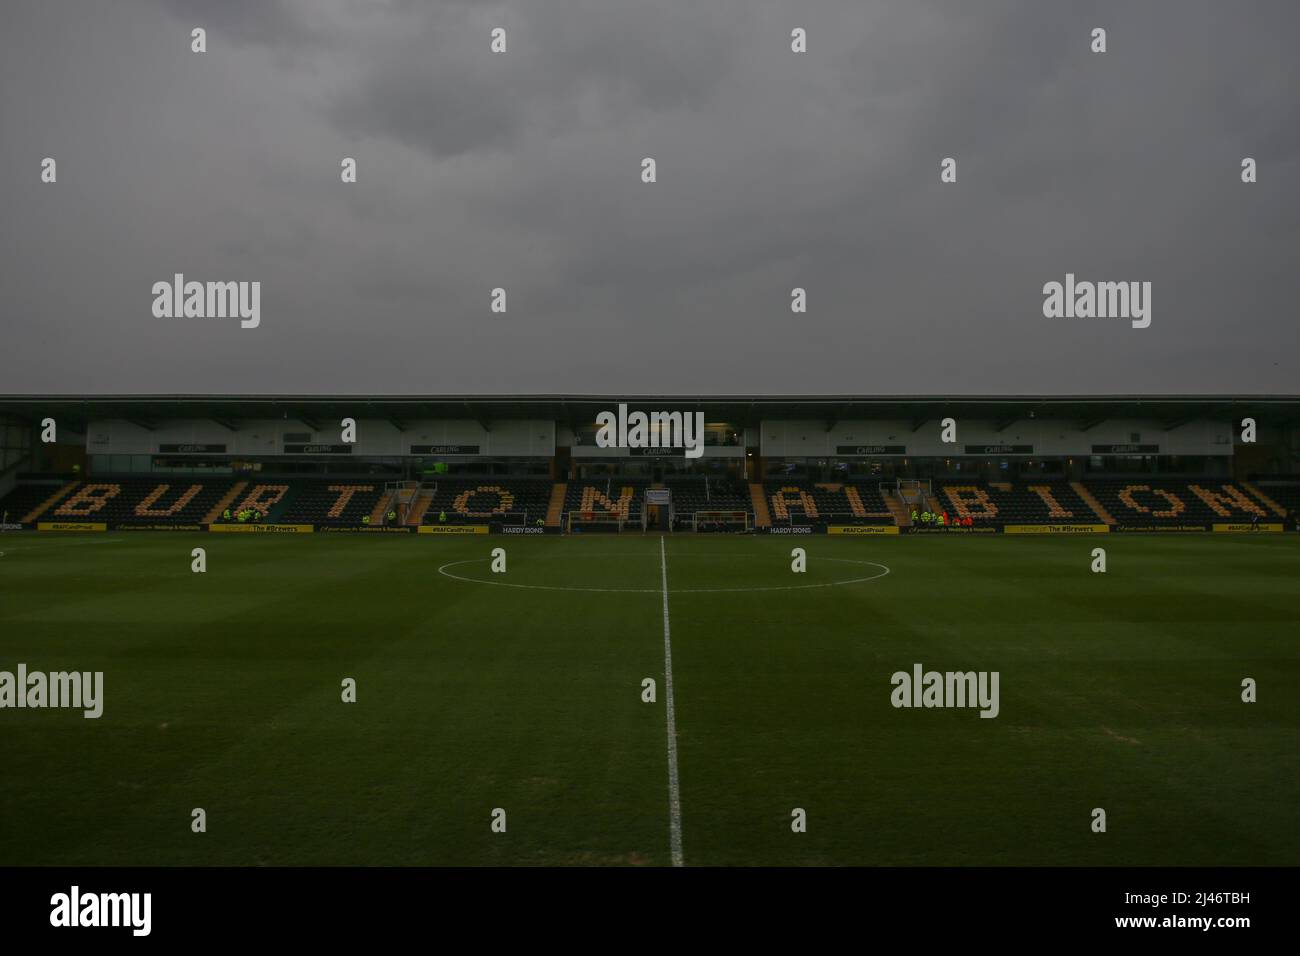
<point>674,788</point>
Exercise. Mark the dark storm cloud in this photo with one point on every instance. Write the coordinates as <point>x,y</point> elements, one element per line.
<point>776,170</point>
<point>428,88</point>
<point>266,22</point>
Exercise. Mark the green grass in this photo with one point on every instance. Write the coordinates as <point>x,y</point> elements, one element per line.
<point>1119,691</point>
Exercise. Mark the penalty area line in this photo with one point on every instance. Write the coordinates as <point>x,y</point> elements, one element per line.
<point>674,785</point>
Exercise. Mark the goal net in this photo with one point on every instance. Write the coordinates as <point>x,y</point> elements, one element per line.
<point>601,521</point>
<point>720,521</point>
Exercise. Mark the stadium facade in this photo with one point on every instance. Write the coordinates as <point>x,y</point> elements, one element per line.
<point>460,464</point>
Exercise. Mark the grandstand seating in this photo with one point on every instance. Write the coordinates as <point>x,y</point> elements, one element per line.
<point>1127,502</point>
<point>179,499</point>
<point>489,501</point>
<point>23,500</point>
<point>343,502</point>
<point>1276,495</point>
<point>1029,502</point>
<point>1159,501</point>
<point>624,496</point>
<point>692,493</point>
<point>798,501</point>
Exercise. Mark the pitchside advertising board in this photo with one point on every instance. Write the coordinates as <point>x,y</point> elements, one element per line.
<point>1165,528</point>
<point>954,529</point>
<point>159,527</point>
<point>1055,529</point>
<point>363,529</point>
<point>262,528</point>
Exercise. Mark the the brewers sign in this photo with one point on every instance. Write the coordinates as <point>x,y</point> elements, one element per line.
<point>262,528</point>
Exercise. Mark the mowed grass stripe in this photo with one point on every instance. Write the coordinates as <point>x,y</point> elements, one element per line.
<point>1118,690</point>
<point>787,706</point>
<point>464,705</point>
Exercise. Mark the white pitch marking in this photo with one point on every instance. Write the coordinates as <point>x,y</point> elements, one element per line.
<point>559,587</point>
<point>674,788</point>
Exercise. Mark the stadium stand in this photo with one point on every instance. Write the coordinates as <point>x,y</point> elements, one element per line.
<point>332,502</point>
<point>26,502</point>
<point>1171,502</point>
<point>171,500</point>
<point>758,501</point>
<point>1129,503</point>
<point>709,503</point>
<point>555,508</point>
<point>620,496</point>
<point>793,501</point>
<point>519,501</point>
<point>1281,498</point>
<point>1276,496</point>
<point>692,493</point>
<point>1033,502</point>
<point>1091,501</point>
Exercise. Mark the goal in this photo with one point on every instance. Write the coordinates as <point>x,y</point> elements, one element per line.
<point>599,521</point>
<point>720,521</point>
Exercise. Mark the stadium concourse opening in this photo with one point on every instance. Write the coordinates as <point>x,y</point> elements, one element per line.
<point>480,465</point>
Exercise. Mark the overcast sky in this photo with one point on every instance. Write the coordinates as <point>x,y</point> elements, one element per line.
<point>775,170</point>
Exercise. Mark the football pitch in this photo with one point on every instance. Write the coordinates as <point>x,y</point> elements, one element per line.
<point>523,691</point>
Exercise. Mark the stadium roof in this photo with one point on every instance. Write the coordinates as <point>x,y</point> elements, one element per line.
<point>582,409</point>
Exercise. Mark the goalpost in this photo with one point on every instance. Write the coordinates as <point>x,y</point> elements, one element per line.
<point>720,521</point>
<point>598,521</point>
